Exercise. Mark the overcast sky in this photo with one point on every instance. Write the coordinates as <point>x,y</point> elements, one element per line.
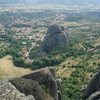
<point>51,1</point>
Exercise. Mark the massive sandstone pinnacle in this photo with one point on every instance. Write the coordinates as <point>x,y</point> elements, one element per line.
<point>56,36</point>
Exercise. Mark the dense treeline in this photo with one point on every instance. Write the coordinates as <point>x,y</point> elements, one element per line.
<point>73,86</point>
<point>56,56</point>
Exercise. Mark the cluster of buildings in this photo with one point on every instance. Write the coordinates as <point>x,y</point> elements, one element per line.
<point>2,29</point>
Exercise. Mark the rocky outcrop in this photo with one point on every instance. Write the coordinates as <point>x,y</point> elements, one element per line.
<point>9,92</point>
<point>30,87</point>
<point>56,36</point>
<point>92,91</point>
<point>94,96</point>
<point>47,77</point>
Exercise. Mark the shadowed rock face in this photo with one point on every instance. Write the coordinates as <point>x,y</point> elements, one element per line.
<point>56,36</point>
<point>30,87</point>
<point>94,96</point>
<point>9,92</point>
<point>92,91</point>
<point>47,77</point>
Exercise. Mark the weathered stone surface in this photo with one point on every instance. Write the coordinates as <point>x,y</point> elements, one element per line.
<point>41,75</point>
<point>9,92</point>
<point>30,87</point>
<point>46,76</point>
<point>56,36</point>
<point>93,87</point>
<point>95,96</point>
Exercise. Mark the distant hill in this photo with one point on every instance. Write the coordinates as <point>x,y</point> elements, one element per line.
<point>71,2</point>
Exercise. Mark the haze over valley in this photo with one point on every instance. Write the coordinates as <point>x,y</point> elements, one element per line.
<point>51,47</point>
<point>71,2</point>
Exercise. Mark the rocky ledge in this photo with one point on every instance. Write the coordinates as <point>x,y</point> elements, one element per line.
<point>39,85</point>
<point>9,92</point>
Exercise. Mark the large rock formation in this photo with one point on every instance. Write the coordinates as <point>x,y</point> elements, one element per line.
<point>94,96</point>
<point>30,86</point>
<point>56,36</point>
<point>47,77</point>
<point>9,92</point>
<point>92,91</point>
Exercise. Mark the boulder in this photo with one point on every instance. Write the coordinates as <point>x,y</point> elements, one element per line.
<point>30,87</point>
<point>9,92</point>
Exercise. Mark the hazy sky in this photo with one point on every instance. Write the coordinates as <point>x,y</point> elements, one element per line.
<point>51,1</point>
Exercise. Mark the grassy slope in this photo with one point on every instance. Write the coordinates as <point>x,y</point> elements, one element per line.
<point>8,70</point>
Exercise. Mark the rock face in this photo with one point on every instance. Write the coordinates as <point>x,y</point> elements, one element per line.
<point>56,36</point>
<point>92,91</point>
<point>46,76</point>
<point>9,92</point>
<point>30,87</point>
<point>94,96</point>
